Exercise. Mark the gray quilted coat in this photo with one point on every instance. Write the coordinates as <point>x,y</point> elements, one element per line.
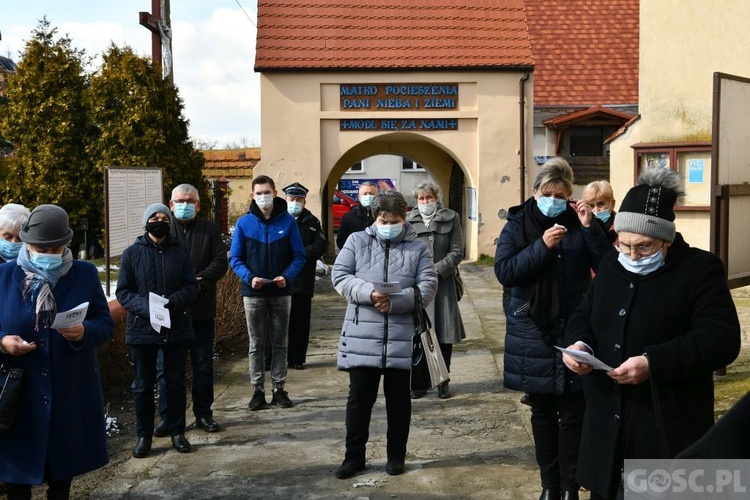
<point>370,338</point>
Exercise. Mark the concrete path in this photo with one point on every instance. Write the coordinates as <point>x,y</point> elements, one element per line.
<point>476,445</point>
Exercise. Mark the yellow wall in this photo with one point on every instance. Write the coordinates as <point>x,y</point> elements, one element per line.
<point>682,44</point>
<point>302,141</point>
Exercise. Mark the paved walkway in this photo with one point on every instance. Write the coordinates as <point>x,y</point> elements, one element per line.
<point>475,445</point>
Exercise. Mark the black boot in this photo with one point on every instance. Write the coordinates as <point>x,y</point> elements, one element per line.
<point>395,465</point>
<point>348,468</point>
<point>142,447</point>
<point>570,495</point>
<point>548,494</point>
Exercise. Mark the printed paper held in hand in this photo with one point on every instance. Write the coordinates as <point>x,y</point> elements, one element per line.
<point>74,317</point>
<point>585,357</point>
<point>159,314</point>
<point>387,286</point>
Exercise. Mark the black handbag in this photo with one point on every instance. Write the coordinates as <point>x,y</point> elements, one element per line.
<point>11,380</point>
<point>428,369</point>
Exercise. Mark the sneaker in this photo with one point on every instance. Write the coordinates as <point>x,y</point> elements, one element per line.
<point>348,469</point>
<point>281,399</point>
<point>259,400</point>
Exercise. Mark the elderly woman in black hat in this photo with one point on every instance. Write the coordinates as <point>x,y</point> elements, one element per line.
<point>59,430</point>
<point>158,263</point>
<point>658,312</point>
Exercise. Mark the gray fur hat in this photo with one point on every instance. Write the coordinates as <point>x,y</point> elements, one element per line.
<point>155,208</point>
<point>47,227</point>
<point>648,208</point>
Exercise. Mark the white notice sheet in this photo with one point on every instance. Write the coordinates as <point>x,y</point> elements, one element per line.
<point>159,314</point>
<point>585,357</point>
<point>387,286</point>
<point>71,318</point>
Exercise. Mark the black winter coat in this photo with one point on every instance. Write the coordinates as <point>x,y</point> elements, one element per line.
<point>531,364</point>
<point>356,219</point>
<point>683,317</point>
<point>165,270</point>
<point>315,246</point>
<point>209,256</point>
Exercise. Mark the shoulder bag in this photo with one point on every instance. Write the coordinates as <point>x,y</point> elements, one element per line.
<point>11,380</point>
<point>428,368</point>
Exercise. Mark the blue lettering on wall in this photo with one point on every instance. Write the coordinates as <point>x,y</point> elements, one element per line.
<point>348,90</point>
<point>393,103</point>
<point>357,125</point>
<point>356,103</point>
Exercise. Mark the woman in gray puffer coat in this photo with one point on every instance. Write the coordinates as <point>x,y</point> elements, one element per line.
<point>376,338</point>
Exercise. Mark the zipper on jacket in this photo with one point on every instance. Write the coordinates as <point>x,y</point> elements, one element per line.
<point>385,318</point>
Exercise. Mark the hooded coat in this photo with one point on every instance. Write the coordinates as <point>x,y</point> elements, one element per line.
<point>531,363</point>
<point>683,317</point>
<point>370,338</point>
<point>445,240</point>
<point>60,421</point>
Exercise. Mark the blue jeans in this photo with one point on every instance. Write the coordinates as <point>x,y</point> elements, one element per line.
<point>259,310</point>
<point>144,377</point>
<point>201,350</point>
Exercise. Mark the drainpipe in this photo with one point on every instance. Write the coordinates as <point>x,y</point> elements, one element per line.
<point>522,130</point>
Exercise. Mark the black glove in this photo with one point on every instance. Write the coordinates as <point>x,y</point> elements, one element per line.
<point>169,305</point>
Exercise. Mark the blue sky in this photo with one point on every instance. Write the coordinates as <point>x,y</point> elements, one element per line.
<point>213,43</point>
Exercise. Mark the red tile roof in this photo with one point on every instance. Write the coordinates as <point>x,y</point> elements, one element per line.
<point>391,34</point>
<point>598,114</point>
<point>585,51</point>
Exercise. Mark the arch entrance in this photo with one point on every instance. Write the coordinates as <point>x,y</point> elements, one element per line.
<point>442,165</point>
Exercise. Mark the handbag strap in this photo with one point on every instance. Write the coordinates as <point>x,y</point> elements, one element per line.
<point>421,321</point>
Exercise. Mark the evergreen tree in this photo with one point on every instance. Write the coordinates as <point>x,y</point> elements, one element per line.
<point>137,116</point>
<point>44,119</point>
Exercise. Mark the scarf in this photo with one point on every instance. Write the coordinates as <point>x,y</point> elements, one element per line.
<point>544,296</point>
<point>37,286</point>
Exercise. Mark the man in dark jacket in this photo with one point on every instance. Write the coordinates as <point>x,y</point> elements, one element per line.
<point>267,255</point>
<point>160,265</point>
<point>303,287</point>
<point>209,256</point>
<point>359,217</point>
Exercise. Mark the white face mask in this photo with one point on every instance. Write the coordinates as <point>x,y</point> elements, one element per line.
<point>427,209</point>
<point>366,199</point>
<point>294,208</point>
<point>264,201</point>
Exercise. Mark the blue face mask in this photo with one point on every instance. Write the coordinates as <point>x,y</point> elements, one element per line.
<point>8,249</point>
<point>294,208</point>
<point>551,206</point>
<point>366,199</point>
<point>603,216</point>
<point>46,261</point>
<point>644,265</point>
<point>184,211</point>
<point>390,231</point>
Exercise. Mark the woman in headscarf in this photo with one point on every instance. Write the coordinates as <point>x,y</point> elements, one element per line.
<point>545,255</point>
<point>12,219</point>
<point>660,313</point>
<point>59,431</point>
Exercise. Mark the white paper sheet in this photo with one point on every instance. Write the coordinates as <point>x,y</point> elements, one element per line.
<point>159,314</point>
<point>387,286</point>
<point>71,318</point>
<point>585,357</point>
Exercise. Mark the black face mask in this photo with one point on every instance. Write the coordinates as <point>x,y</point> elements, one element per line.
<point>158,228</point>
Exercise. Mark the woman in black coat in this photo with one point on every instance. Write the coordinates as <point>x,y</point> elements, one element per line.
<point>660,313</point>
<point>544,256</point>
<point>157,263</point>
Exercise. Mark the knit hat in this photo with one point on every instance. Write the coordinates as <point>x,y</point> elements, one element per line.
<point>155,208</point>
<point>47,227</point>
<point>648,208</point>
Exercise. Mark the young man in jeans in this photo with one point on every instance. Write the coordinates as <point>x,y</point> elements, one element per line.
<point>267,254</point>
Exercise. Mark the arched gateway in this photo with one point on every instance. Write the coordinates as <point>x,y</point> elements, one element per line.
<point>446,85</point>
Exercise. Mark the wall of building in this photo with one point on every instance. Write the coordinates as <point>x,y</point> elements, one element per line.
<point>682,44</point>
<point>302,140</point>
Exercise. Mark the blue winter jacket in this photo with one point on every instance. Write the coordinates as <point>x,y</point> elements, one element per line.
<point>267,248</point>
<point>531,364</point>
<point>165,270</point>
<point>59,430</point>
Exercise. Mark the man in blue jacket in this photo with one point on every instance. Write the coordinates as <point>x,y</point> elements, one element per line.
<point>267,254</point>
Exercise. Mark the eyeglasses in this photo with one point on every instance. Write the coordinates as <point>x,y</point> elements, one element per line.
<point>642,250</point>
<point>190,202</point>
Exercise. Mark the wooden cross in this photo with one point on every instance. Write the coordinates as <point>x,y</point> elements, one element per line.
<point>151,22</point>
